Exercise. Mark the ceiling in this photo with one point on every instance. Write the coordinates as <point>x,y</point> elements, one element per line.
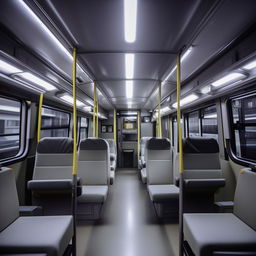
<point>96,28</point>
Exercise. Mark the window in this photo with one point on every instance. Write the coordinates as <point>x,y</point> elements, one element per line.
<point>193,124</point>
<point>83,128</point>
<point>244,127</point>
<point>209,122</point>
<point>203,123</point>
<point>10,116</point>
<point>55,123</point>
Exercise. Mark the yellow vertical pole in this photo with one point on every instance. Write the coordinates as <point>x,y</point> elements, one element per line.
<point>138,132</point>
<point>39,120</point>
<point>94,109</point>
<point>170,130</point>
<point>181,169</point>
<point>97,119</point>
<point>159,113</point>
<point>74,170</point>
<point>115,139</point>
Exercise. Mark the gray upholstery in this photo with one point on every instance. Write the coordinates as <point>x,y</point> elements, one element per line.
<point>50,235</point>
<point>94,164</point>
<point>9,203</point>
<point>163,193</point>
<point>200,145</point>
<point>52,145</point>
<point>143,174</point>
<point>50,184</point>
<point>158,161</point>
<point>54,158</point>
<point>113,158</point>
<point>93,194</point>
<point>46,234</point>
<point>206,233</point>
<point>142,160</point>
<point>244,201</point>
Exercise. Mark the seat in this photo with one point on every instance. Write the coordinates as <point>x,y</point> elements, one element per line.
<point>212,233</point>
<point>142,160</point>
<point>113,159</point>
<point>24,235</point>
<point>94,174</point>
<point>52,177</point>
<point>202,174</point>
<point>162,192</point>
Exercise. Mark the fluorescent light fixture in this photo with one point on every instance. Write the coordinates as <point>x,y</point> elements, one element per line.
<point>206,89</point>
<point>8,68</point>
<point>70,100</point>
<point>9,108</point>
<point>210,116</point>
<point>164,110</point>
<point>232,77</point>
<point>129,65</point>
<point>129,89</point>
<point>36,80</point>
<point>49,33</point>
<point>88,109</point>
<point>186,100</point>
<point>183,57</point>
<point>250,65</point>
<point>130,20</point>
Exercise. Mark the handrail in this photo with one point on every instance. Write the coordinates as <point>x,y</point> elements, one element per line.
<point>94,109</point>
<point>138,132</point>
<point>97,120</point>
<point>115,138</point>
<point>74,169</point>
<point>39,124</point>
<point>181,169</point>
<point>159,130</point>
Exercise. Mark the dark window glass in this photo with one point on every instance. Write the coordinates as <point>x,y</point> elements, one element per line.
<point>244,126</point>
<point>10,113</point>
<point>209,122</point>
<point>83,128</point>
<point>193,124</point>
<point>55,123</point>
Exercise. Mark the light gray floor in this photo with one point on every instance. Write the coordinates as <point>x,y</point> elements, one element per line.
<point>128,226</point>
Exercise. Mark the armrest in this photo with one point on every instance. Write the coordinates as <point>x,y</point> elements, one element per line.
<point>225,206</point>
<point>31,210</point>
<point>204,183</point>
<point>50,184</point>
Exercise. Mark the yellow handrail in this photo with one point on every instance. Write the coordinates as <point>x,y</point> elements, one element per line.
<point>97,120</point>
<point>94,109</point>
<point>74,170</point>
<point>115,126</point>
<point>138,132</point>
<point>159,112</point>
<point>170,130</point>
<point>39,117</point>
<point>181,169</point>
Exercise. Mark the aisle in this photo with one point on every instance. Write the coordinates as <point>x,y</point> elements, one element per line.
<point>128,226</point>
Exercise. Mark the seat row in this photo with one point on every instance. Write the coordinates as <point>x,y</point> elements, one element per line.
<point>51,184</point>
<point>202,174</point>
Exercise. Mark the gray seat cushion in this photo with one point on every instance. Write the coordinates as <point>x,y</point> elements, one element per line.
<point>46,234</point>
<point>143,173</point>
<point>163,193</point>
<point>206,233</point>
<point>93,194</point>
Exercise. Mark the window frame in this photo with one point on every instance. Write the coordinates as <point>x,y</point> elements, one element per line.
<point>59,127</point>
<point>23,115</point>
<point>231,143</point>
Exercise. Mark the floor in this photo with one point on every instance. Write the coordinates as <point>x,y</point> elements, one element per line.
<point>128,226</point>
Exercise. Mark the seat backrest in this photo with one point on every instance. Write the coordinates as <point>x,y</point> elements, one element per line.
<point>112,146</point>
<point>9,203</point>
<point>53,159</point>
<point>201,158</point>
<point>158,161</point>
<point>244,201</point>
<point>94,162</point>
<point>143,142</point>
